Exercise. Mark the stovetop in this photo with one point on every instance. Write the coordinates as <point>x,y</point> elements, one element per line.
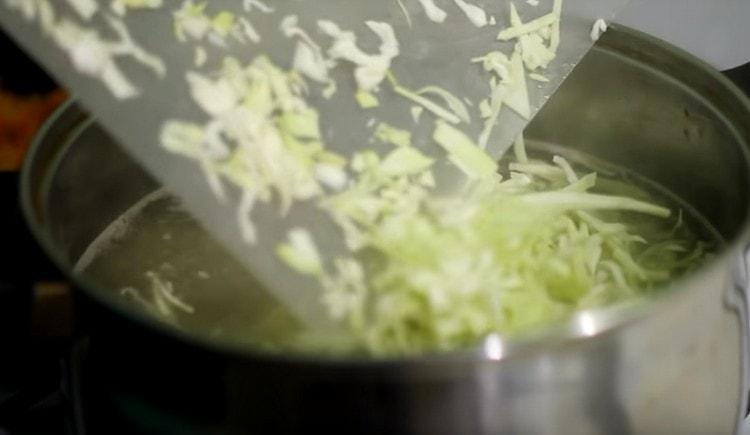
<point>34,365</point>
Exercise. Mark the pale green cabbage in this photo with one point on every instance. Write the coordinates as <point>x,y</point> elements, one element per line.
<point>505,256</point>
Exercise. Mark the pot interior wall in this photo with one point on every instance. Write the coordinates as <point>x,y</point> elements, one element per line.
<point>631,104</point>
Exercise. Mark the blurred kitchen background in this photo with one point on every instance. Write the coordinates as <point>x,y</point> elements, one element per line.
<point>33,343</point>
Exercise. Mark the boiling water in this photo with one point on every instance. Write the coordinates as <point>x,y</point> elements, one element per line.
<point>161,261</point>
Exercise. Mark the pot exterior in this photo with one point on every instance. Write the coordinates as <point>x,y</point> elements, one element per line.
<point>677,372</point>
<point>677,367</point>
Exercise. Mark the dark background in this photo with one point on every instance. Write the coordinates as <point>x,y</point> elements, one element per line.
<point>30,395</point>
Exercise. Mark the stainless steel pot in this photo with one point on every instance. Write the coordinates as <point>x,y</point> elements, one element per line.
<point>674,364</point>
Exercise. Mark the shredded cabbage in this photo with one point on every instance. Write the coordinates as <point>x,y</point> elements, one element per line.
<point>472,160</point>
<point>260,135</point>
<point>507,88</point>
<point>599,27</point>
<point>160,300</point>
<point>301,253</point>
<point>192,23</point>
<point>86,9</point>
<point>90,53</point>
<point>509,252</point>
<point>396,136</point>
<point>416,113</point>
<point>366,100</point>
<point>120,7</point>
<point>371,69</point>
<point>518,29</point>
<point>427,272</point>
<point>433,12</point>
<point>455,104</point>
<point>474,13</point>
<point>428,104</point>
<point>433,273</point>
<point>405,12</point>
<point>308,56</point>
<point>538,78</point>
<point>535,48</point>
<point>249,5</point>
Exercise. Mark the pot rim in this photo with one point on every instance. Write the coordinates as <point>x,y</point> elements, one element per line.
<point>582,326</point>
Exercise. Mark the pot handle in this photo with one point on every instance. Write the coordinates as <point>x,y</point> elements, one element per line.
<point>740,300</point>
<point>741,77</point>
